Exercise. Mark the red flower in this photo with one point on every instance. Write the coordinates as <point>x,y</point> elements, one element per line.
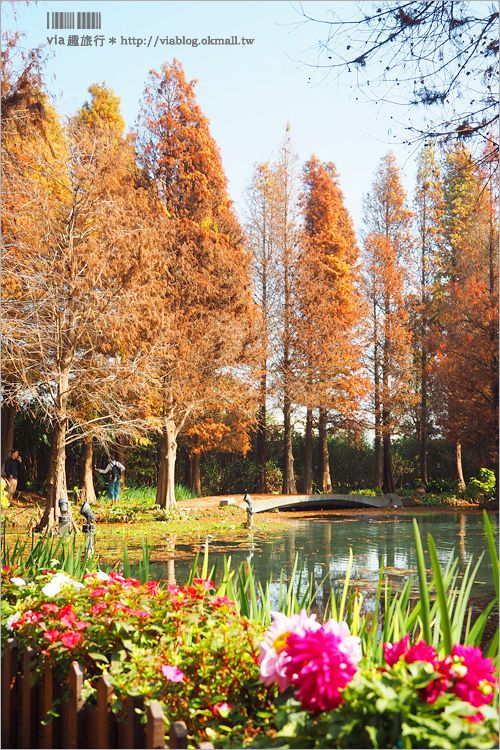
<point>393,653</point>
<point>421,652</point>
<point>51,635</point>
<point>98,607</point>
<point>81,625</point>
<point>139,612</point>
<point>29,617</point>
<point>99,592</point>
<point>50,608</point>
<point>70,638</point>
<point>66,616</point>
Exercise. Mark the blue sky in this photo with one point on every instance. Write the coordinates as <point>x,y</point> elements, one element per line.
<point>249,92</point>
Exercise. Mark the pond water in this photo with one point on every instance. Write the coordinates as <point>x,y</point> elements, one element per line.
<point>322,541</point>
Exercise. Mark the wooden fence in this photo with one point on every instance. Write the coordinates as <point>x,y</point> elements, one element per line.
<point>79,724</point>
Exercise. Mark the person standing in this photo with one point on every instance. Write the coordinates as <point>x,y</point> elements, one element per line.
<point>114,468</point>
<point>12,465</point>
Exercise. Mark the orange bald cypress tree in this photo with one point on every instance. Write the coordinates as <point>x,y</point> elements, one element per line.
<point>466,371</point>
<point>429,208</point>
<point>74,246</point>
<point>328,342</point>
<point>203,288</point>
<point>388,264</point>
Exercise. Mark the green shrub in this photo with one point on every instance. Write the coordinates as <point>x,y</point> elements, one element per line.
<point>274,478</point>
<point>484,486</point>
<point>435,486</point>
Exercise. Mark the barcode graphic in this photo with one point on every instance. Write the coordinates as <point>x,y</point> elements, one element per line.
<point>61,20</point>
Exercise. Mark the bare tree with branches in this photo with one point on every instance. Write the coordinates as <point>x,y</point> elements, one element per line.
<point>440,56</point>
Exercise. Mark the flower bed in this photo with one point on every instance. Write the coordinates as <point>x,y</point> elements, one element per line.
<point>298,684</point>
<point>331,698</point>
<point>183,646</point>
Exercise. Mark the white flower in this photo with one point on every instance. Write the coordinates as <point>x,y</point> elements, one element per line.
<point>18,581</point>
<point>13,618</point>
<point>52,588</point>
<point>101,575</point>
<point>75,584</point>
<point>55,586</point>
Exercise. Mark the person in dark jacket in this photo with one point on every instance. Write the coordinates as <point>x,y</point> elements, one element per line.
<point>114,468</point>
<point>12,465</point>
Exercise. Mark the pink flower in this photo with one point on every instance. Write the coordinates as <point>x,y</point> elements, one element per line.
<point>51,635</point>
<point>421,652</point>
<point>476,675</point>
<point>273,650</point>
<point>50,608</point>
<point>174,674</point>
<point>204,583</point>
<point>393,653</point>
<point>96,608</point>
<point>70,638</point>
<point>221,601</point>
<point>321,663</point>
<point>222,709</point>
<point>431,692</point>
<point>475,717</point>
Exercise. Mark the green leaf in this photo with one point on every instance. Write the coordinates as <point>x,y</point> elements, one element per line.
<point>441,596</point>
<point>422,585</point>
<point>493,551</point>
<point>98,657</point>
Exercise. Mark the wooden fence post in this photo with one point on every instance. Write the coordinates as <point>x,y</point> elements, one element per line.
<point>130,733</point>
<point>47,700</point>
<point>28,703</point>
<point>90,713</point>
<point>178,735</point>
<point>10,686</point>
<point>155,730</point>
<point>104,733</point>
<point>75,726</point>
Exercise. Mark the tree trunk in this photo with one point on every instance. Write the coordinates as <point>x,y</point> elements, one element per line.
<point>188,473</point>
<point>120,456</point>
<point>195,485</point>
<point>388,484</point>
<point>289,486</point>
<point>423,420</point>
<point>165,494</point>
<point>460,473</point>
<point>307,481</point>
<point>376,383</point>
<point>8,414</point>
<point>325,481</point>
<point>56,476</point>
<point>261,448</point>
<point>87,471</point>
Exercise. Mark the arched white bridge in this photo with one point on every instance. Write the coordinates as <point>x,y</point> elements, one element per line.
<point>320,502</point>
